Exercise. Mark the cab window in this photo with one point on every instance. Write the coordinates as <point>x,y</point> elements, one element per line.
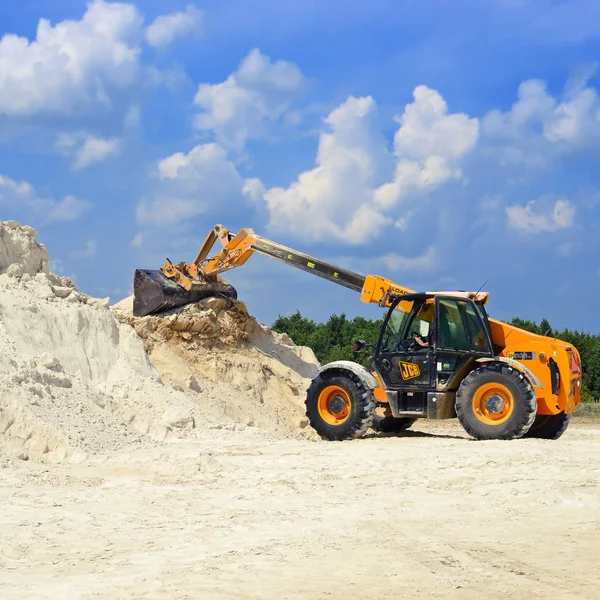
<point>475,331</point>
<point>460,328</point>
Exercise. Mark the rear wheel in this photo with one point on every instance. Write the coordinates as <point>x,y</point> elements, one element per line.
<point>339,406</point>
<point>496,402</point>
<point>392,424</point>
<point>549,427</point>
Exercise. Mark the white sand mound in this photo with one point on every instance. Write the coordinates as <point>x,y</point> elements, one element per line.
<point>76,382</point>
<point>18,247</point>
<point>216,340</point>
<point>73,380</point>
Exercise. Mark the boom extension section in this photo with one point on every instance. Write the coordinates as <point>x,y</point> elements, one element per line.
<point>237,249</point>
<point>155,292</point>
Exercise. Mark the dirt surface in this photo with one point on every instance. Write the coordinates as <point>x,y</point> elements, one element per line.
<point>426,514</point>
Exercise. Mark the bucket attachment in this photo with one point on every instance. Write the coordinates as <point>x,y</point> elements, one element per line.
<point>155,293</point>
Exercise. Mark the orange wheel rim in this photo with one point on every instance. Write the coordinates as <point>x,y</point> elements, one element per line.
<point>493,404</point>
<point>334,405</point>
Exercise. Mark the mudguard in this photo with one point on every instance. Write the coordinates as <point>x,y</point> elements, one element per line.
<point>347,365</point>
<point>516,365</point>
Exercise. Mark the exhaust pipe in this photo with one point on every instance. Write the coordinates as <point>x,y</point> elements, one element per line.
<point>154,293</point>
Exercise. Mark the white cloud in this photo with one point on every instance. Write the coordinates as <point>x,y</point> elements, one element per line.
<point>95,150</point>
<point>398,263</point>
<point>429,144</point>
<point>192,184</point>
<point>132,117</point>
<point>529,220</point>
<point>249,101</point>
<point>254,189</point>
<point>539,127</point>
<point>90,251</point>
<point>168,168</point>
<point>86,149</point>
<point>335,199</point>
<point>402,222</point>
<point>576,119</point>
<point>137,241</point>
<point>354,189</point>
<point>72,67</point>
<point>533,104</point>
<point>569,249</point>
<point>426,128</point>
<point>66,143</point>
<point>22,196</point>
<point>392,262</point>
<point>166,28</point>
<point>69,208</point>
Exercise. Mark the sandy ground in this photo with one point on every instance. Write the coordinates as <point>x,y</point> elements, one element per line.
<point>428,514</point>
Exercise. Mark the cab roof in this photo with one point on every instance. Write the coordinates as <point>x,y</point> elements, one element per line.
<point>482,297</point>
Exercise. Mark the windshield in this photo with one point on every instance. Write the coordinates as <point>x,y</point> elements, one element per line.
<point>394,326</point>
<point>409,319</point>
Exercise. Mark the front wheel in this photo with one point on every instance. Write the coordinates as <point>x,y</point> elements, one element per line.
<point>549,427</point>
<point>339,406</point>
<point>496,402</point>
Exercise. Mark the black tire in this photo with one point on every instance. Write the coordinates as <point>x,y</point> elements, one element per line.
<point>361,409</point>
<point>392,424</point>
<point>521,415</point>
<point>549,427</point>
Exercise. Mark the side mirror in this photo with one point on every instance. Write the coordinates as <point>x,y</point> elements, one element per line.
<point>359,345</point>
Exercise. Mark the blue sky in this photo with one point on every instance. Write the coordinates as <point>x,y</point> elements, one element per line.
<point>440,144</point>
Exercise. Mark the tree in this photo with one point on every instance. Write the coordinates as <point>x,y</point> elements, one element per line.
<point>299,328</point>
<point>545,327</point>
<point>332,340</point>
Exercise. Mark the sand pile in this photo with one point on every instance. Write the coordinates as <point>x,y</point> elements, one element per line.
<point>73,380</point>
<point>217,341</point>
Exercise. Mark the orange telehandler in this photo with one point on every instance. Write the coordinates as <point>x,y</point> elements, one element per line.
<point>438,355</point>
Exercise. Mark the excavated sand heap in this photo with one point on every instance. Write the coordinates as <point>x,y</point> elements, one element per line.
<point>216,340</point>
<point>76,382</point>
<point>73,380</point>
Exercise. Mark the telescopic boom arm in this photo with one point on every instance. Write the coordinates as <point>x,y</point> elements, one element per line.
<point>238,248</point>
<point>175,285</point>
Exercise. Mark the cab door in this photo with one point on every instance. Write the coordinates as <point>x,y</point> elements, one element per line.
<point>461,335</point>
<point>401,361</point>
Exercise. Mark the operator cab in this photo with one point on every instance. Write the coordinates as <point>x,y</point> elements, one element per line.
<point>425,341</point>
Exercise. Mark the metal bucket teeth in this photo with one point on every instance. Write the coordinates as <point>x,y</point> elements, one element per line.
<point>154,293</point>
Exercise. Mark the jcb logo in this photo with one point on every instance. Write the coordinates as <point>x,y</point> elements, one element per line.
<point>409,370</point>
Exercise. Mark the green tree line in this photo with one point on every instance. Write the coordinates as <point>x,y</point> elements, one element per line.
<point>333,340</point>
